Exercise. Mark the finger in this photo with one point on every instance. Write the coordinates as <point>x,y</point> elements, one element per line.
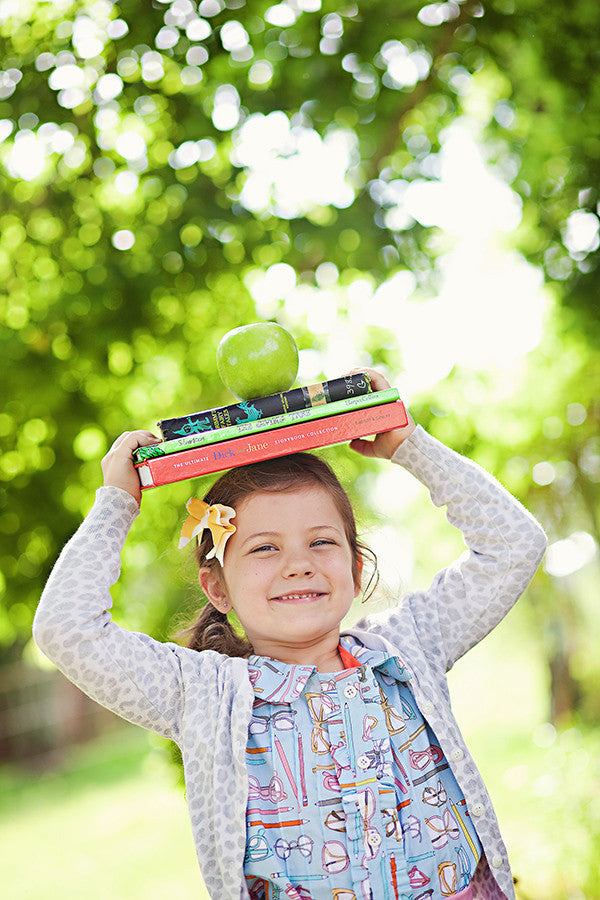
<point>378,381</point>
<point>365,448</point>
<point>130,440</point>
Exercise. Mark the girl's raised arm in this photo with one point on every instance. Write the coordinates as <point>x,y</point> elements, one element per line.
<point>505,544</point>
<point>131,674</point>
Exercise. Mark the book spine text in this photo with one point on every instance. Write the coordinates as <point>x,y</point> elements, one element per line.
<point>202,439</point>
<point>280,442</point>
<point>264,407</point>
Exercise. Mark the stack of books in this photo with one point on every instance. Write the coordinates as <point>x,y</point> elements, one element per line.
<point>303,418</point>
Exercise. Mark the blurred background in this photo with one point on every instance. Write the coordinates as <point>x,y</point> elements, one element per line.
<point>406,186</point>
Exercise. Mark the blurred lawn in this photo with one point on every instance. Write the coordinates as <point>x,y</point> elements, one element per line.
<point>545,785</point>
<point>110,824</point>
<point>113,824</point>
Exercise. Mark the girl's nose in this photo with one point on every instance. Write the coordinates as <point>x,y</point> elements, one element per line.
<point>297,564</point>
<point>297,570</point>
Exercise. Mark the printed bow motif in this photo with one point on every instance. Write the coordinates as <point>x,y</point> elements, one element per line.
<point>215,518</point>
<point>417,878</point>
<point>273,791</point>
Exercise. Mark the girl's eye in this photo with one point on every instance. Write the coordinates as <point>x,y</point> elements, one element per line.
<point>262,548</point>
<point>321,542</point>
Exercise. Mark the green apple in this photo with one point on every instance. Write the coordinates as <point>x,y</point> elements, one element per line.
<point>257,360</point>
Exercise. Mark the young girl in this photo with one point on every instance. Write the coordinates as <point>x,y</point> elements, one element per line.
<point>318,764</point>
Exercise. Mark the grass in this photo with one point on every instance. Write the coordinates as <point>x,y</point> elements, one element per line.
<point>544,783</point>
<point>111,822</point>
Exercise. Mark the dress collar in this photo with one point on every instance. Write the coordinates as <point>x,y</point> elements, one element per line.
<point>278,682</point>
<point>389,663</point>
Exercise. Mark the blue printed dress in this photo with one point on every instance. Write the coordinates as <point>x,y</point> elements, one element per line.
<point>351,797</point>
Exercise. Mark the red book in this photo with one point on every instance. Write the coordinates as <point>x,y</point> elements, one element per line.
<point>268,444</point>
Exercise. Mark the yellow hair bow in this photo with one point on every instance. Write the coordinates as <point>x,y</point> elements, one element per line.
<point>215,517</point>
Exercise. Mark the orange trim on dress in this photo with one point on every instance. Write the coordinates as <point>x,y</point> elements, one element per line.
<point>350,662</point>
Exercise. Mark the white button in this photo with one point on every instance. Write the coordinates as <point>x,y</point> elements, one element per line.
<point>374,837</point>
<point>350,691</point>
<point>427,707</point>
<point>496,861</point>
<point>478,809</point>
<point>456,754</point>
<point>363,761</point>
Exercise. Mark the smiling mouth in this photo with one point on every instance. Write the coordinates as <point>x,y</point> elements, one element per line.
<point>299,597</point>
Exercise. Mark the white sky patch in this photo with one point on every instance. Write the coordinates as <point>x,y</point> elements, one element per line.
<point>395,552</point>
<point>87,37</point>
<point>28,156</point>
<point>290,170</point>
<point>582,233</point>
<point>226,110</point>
<point>123,239</point>
<point>569,555</point>
<point>108,87</point>
<point>488,314</point>
<point>491,306</point>
<point>490,310</point>
<point>233,35</point>
<point>130,145</point>
<point>126,182</point>
<point>468,200</point>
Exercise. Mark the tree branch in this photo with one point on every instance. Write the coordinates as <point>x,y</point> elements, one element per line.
<point>422,88</point>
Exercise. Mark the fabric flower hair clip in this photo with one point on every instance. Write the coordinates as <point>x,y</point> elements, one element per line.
<point>216,518</point>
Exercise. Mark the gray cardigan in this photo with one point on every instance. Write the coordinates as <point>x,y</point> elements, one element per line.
<point>203,701</point>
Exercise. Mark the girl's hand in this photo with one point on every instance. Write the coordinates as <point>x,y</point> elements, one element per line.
<point>384,445</point>
<point>117,465</point>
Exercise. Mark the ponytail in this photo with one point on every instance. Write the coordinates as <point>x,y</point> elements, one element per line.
<point>213,631</point>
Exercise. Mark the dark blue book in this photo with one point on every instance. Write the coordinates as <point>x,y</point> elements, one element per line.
<point>265,407</point>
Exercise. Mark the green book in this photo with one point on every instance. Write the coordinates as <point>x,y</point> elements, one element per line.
<point>203,438</point>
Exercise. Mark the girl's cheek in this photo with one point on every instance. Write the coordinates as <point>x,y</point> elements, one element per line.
<point>255,571</point>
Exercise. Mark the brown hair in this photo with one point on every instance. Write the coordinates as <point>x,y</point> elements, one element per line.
<point>212,630</point>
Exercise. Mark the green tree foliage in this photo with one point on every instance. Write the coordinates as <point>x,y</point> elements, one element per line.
<point>141,145</point>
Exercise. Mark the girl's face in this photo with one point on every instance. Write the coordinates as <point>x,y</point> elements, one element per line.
<point>287,572</point>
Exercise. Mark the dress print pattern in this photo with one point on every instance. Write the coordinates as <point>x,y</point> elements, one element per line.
<point>351,796</point>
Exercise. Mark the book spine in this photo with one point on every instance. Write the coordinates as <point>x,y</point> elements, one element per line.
<point>281,442</point>
<point>265,407</point>
<point>204,438</point>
